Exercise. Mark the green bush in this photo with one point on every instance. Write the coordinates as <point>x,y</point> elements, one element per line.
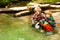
<point>4,1</point>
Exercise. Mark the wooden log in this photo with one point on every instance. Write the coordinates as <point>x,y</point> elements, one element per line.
<point>55,6</point>
<point>22,13</point>
<point>18,9</point>
<point>44,6</point>
<point>49,6</point>
<point>13,9</point>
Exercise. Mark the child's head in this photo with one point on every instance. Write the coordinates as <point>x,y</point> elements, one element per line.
<point>37,9</point>
<point>48,13</point>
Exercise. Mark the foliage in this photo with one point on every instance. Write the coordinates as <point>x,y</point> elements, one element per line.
<point>4,1</point>
<point>42,1</point>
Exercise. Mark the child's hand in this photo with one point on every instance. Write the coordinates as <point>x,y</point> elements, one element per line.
<point>49,21</point>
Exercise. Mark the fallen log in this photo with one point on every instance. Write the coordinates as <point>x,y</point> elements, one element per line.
<point>13,9</point>
<point>22,13</point>
<point>19,9</point>
<point>55,6</point>
<point>44,6</point>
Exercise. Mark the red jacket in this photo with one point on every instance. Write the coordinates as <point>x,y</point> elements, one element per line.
<point>47,27</point>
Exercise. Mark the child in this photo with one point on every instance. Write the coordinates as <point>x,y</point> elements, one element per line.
<point>36,17</point>
<point>50,19</point>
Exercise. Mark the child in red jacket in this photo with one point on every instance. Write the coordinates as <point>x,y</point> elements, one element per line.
<point>50,19</point>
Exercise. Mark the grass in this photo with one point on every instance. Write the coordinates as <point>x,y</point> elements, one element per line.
<point>13,29</point>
